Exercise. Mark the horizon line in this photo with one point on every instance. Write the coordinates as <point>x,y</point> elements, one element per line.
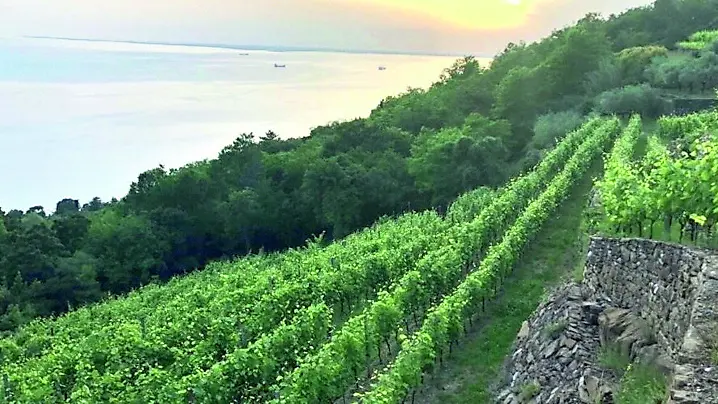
<point>270,48</point>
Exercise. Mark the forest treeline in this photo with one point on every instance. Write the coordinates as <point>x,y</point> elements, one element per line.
<point>477,126</point>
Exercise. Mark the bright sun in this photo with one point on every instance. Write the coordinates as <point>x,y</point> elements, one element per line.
<point>513,2</point>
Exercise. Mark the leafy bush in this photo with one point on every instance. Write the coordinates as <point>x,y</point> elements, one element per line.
<point>632,62</point>
<point>664,72</point>
<point>685,73</point>
<point>552,127</point>
<point>460,159</point>
<point>700,40</point>
<point>642,99</point>
<point>606,77</point>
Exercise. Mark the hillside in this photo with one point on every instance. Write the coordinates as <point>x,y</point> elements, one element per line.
<point>641,326</point>
<point>657,184</point>
<point>484,177</point>
<point>237,332</point>
<point>403,293</point>
<point>376,315</point>
<point>475,127</point>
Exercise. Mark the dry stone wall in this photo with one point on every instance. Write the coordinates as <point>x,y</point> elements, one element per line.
<point>657,302</point>
<point>655,280</point>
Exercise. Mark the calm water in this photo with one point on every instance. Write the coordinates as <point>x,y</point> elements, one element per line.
<point>83,119</point>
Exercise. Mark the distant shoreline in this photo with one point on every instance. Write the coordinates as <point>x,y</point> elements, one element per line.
<point>265,48</point>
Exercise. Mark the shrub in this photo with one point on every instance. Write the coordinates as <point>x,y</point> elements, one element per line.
<point>641,99</point>
<point>552,127</point>
<point>606,77</point>
<point>632,62</point>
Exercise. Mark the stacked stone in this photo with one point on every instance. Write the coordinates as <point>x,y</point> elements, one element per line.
<point>655,302</point>
<point>556,349</point>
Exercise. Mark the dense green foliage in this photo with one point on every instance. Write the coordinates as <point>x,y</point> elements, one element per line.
<point>473,366</point>
<point>665,22</point>
<point>445,323</point>
<point>370,302</point>
<point>640,99</point>
<point>550,128</point>
<point>641,383</point>
<point>617,184</point>
<point>437,274</point>
<point>475,127</point>
<point>700,41</point>
<point>670,185</point>
<point>227,332</point>
<point>184,328</point>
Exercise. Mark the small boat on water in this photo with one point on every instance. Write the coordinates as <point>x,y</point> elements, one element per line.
<point>244,54</point>
<point>276,65</point>
<point>382,68</point>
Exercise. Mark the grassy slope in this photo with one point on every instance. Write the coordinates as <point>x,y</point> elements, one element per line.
<point>557,251</point>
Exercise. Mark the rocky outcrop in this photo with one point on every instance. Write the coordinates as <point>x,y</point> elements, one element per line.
<point>630,337</point>
<point>651,302</point>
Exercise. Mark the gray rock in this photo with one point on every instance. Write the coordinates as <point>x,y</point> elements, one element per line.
<point>692,345</point>
<point>654,301</point>
<point>651,355</point>
<point>682,375</point>
<point>568,342</point>
<point>564,356</point>
<point>524,331</point>
<point>575,293</point>
<point>591,311</point>
<point>589,389</point>
<point>624,331</point>
<point>685,397</point>
<point>550,349</point>
<point>503,395</point>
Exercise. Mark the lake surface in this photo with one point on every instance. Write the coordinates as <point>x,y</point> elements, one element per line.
<point>81,119</point>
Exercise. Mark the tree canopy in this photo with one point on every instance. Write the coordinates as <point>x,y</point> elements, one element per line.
<point>476,126</point>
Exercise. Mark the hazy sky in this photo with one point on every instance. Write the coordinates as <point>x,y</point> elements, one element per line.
<point>469,26</point>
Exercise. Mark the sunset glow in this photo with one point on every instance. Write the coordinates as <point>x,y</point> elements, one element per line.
<point>466,14</point>
<point>455,26</point>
